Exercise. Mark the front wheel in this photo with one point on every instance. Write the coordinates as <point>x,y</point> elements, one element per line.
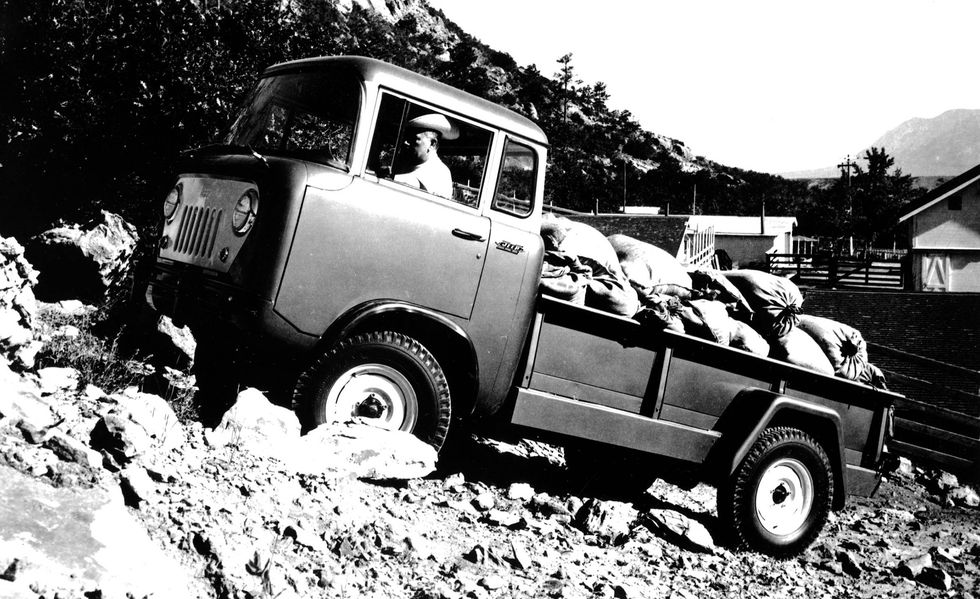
<point>385,376</point>
<point>777,500</point>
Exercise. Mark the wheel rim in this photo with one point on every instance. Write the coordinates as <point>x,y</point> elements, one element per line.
<point>784,497</point>
<point>373,391</point>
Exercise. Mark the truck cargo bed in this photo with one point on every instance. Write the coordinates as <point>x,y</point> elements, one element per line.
<point>598,376</point>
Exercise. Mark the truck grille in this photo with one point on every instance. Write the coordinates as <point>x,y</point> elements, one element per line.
<point>197,232</point>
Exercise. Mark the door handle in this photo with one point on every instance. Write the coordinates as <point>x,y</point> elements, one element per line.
<point>467,235</point>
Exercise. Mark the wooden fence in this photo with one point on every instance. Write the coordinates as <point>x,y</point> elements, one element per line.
<point>699,247</point>
<point>935,424</point>
<point>935,436</point>
<point>832,271</point>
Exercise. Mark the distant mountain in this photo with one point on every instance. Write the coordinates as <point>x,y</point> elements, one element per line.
<point>942,146</point>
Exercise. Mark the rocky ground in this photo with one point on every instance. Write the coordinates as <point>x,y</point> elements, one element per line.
<point>109,492</point>
<point>498,517</point>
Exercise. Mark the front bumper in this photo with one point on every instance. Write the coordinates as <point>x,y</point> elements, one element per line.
<point>193,296</point>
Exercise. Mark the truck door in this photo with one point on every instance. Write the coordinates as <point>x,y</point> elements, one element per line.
<point>400,232</point>
<point>504,305</point>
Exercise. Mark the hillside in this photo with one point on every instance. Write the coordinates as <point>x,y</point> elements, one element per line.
<point>99,103</point>
<point>942,146</point>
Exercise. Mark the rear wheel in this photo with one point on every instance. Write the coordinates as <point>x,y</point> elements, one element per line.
<point>387,377</point>
<point>778,498</point>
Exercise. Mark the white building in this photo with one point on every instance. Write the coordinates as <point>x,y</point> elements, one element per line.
<point>748,239</point>
<point>944,234</point>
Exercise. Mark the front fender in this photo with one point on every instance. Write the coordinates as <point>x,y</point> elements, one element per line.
<point>448,341</point>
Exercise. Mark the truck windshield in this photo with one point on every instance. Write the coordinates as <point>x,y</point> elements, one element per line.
<point>303,115</point>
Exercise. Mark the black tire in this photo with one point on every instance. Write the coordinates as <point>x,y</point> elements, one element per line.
<point>777,500</point>
<point>380,374</point>
<point>605,471</point>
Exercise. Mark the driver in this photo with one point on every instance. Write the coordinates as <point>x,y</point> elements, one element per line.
<point>426,171</point>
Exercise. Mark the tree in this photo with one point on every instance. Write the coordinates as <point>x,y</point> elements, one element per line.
<point>567,84</point>
<point>878,197</point>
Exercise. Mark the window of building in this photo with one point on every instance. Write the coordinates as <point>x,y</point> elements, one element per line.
<point>518,175</point>
<point>955,202</point>
<point>461,149</point>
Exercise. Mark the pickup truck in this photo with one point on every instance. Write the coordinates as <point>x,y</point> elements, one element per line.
<point>293,236</point>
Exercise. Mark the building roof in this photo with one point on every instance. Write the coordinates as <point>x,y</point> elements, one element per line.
<point>743,225</point>
<point>665,232</point>
<point>940,193</point>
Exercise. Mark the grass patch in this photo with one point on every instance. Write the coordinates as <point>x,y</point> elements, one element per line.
<point>71,341</point>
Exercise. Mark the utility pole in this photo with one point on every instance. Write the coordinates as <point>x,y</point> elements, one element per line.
<point>694,200</point>
<point>845,172</point>
<point>624,184</point>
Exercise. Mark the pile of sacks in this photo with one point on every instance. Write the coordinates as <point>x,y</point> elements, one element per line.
<point>746,309</point>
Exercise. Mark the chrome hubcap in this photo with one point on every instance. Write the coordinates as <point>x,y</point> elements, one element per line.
<point>784,497</point>
<point>373,391</point>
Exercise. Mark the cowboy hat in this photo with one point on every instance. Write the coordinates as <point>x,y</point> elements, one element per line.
<point>434,122</point>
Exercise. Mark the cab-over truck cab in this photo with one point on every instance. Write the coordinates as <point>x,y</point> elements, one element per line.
<point>295,232</point>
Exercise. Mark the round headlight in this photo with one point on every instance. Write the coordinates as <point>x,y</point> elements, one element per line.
<point>245,211</point>
<point>171,204</point>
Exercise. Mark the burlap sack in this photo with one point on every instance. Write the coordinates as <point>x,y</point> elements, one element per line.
<point>843,345</point>
<point>796,347</point>
<point>650,295</point>
<point>591,247</point>
<point>564,277</point>
<point>553,229</point>
<point>745,337</point>
<point>693,324</point>
<point>714,316</point>
<point>611,294</point>
<point>872,375</point>
<point>777,301</point>
<point>647,265</point>
<point>714,283</point>
<point>661,312</point>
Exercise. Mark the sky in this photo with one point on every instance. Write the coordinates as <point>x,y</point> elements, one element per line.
<point>767,85</point>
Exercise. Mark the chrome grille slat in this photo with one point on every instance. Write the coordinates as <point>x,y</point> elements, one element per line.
<point>197,231</point>
<point>214,232</point>
<point>182,230</point>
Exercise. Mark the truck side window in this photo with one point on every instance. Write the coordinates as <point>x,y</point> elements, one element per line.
<point>463,148</point>
<point>518,173</point>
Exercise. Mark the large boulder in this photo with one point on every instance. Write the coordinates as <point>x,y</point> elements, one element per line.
<point>362,450</point>
<point>610,521</point>
<point>678,528</point>
<point>20,399</point>
<point>18,307</point>
<point>75,542</point>
<point>83,263</point>
<point>256,425</point>
<point>137,424</point>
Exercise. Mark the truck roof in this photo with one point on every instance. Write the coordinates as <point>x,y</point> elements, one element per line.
<point>422,87</point>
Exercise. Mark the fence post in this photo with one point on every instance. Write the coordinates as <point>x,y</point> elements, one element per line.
<point>832,271</point>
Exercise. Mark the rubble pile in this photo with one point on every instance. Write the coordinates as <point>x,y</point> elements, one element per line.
<point>749,310</point>
<point>18,307</point>
<point>161,508</point>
